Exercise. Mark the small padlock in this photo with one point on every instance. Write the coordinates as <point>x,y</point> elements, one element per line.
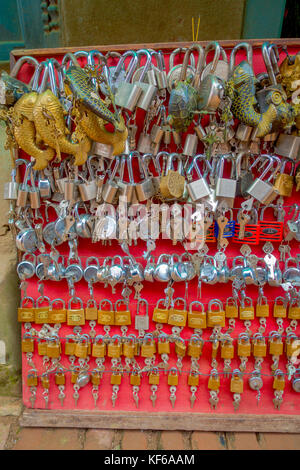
<point>195,346</point>
<point>180,347</point>
<point>214,380</point>
<point>60,378</point>
<point>246,310</point>
<point>70,345</point>
<point>262,307</point>
<point>178,316</point>
<point>27,344</point>
<point>279,308</point>
<point>196,319</point>
<point>148,346</point>
<point>41,314</point>
<point>236,382</point>
<point>75,316</point>
<point>106,317</point>
<point>96,377</point>
<point>259,346</point>
<point>244,346</point>
<point>193,379</point>
<point>130,347</point>
<point>275,344</point>
<point>32,378</point>
<point>227,349</point>
<point>98,347</point>
<point>116,378</point>
<point>284,182</point>
<point>122,317</point>
<point>114,347</point>
<point>215,317</point>
<point>91,310</point>
<point>26,314</point>
<point>173,377</point>
<point>294,310</point>
<point>160,314</point>
<point>82,347</point>
<point>141,321</point>
<point>163,344</point>
<point>42,347</point>
<point>231,308</point>
<point>57,315</point>
<point>154,377</point>
<point>279,380</point>
<point>53,348</point>
<point>45,381</point>
<point>135,379</point>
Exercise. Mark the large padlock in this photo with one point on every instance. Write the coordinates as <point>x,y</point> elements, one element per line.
<point>199,188</point>
<point>160,312</point>
<point>75,316</point>
<point>149,90</point>
<point>122,317</point>
<point>41,314</point>
<point>215,316</point>
<point>196,319</point>
<point>26,314</point>
<point>261,189</point>
<point>211,89</point>
<point>288,146</point>
<point>106,316</point>
<point>218,67</point>
<point>178,316</point>
<point>57,315</point>
<point>141,322</point>
<point>225,187</point>
<point>127,94</point>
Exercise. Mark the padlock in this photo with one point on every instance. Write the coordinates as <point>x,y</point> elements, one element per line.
<point>225,187</point>
<point>98,347</point>
<point>75,316</point>
<point>82,347</point>
<point>127,94</point>
<point>246,310</point>
<point>145,189</point>
<point>163,344</point>
<point>262,190</point>
<point>26,314</point>
<point>176,72</point>
<point>122,317</point>
<point>215,317</point>
<point>135,379</point>
<point>173,377</point>
<point>106,317</point>
<point>148,346</point>
<point>279,308</point>
<point>296,381</point>
<point>60,378</point>
<point>34,192</point>
<point>219,68</point>
<point>231,308</point>
<point>57,315</point>
<point>211,89</point>
<point>53,347</point>
<point>91,310</point>
<point>284,182</point>
<point>27,344</point>
<point>279,380</point>
<point>243,345</point>
<point>111,188</point>
<point>116,378</point>
<point>227,349</point>
<point>127,189</point>
<point>130,347</point>
<point>196,319</point>
<point>96,378</point>
<point>199,188</point>
<point>149,91</point>
<point>259,346</point>
<point>153,377</point>
<point>45,381</point>
<point>288,146</point>
<point>180,347</point>
<point>236,382</point>
<point>32,378</point>
<point>23,189</point>
<point>262,307</point>
<point>193,379</point>
<point>88,189</point>
<point>141,321</point>
<point>195,346</point>
<point>294,310</point>
<point>42,347</point>
<point>11,188</point>
<point>41,314</point>
<point>275,344</point>
<point>292,349</point>
<point>270,231</point>
<point>114,347</point>
<point>160,313</point>
<point>178,316</point>
<point>74,374</point>
<point>214,380</point>
<point>173,183</point>
<point>70,345</point>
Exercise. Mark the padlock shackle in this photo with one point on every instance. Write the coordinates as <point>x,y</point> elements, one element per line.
<point>69,57</point>
<point>177,51</point>
<point>24,60</point>
<point>269,54</point>
<point>186,60</point>
<point>131,67</point>
<point>242,45</point>
<point>57,87</point>
<point>212,46</point>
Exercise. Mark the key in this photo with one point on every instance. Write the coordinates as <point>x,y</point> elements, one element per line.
<point>46,398</point>
<point>138,286</point>
<point>285,251</point>
<point>193,395</point>
<point>153,396</point>
<point>236,401</point>
<point>243,220</point>
<point>69,222</point>
<point>114,396</point>
<point>135,391</point>
<point>172,395</point>
<point>95,395</point>
<point>271,262</point>
<point>291,370</point>
<point>32,397</point>
<point>277,401</point>
<point>76,394</point>
<point>213,399</point>
<point>61,395</point>
<point>227,368</point>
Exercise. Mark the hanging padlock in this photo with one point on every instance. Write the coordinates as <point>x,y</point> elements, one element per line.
<point>127,94</point>
<point>262,307</point>
<point>259,346</point>
<point>82,347</point>
<point>195,347</point>
<point>122,317</point>
<point>148,346</point>
<point>141,321</point>
<point>114,347</point>
<point>199,188</point>
<point>110,189</point>
<point>225,187</point>
<point>211,89</point>
<point>70,345</point>
<point>106,316</point>
<point>53,347</point>
<point>42,313</point>
<point>288,146</point>
<point>178,316</point>
<point>262,190</point>
<point>246,310</point>
<point>215,317</point>
<point>91,310</point>
<point>149,91</point>
<point>279,308</point>
<point>196,319</point>
<point>284,182</point>
<point>88,189</point>
<point>131,347</point>
<point>176,71</point>
<point>270,231</point>
<point>27,343</point>
<point>26,314</point>
<point>160,312</point>
<point>57,315</point>
<point>218,67</point>
<point>23,189</point>
<point>98,347</point>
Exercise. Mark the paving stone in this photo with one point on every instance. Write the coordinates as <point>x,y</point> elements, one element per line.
<point>173,440</point>
<point>48,439</point>
<point>278,441</point>
<point>242,441</point>
<point>134,440</point>
<point>208,441</point>
<point>99,439</point>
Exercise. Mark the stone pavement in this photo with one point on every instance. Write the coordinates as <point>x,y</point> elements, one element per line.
<point>15,437</point>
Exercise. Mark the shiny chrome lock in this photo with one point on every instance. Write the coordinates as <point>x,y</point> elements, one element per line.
<point>149,91</point>
<point>211,89</point>
<point>127,94</point>
<point>218,68</point>
<point>91,270</point>
<point>11,188</point>
<point>288,146</point>
<point>199,188</point>
<point>24,188</point>
<point>88,189</point>
<point>26,267</point>
<point>145,189</point>
<point>176,71</point>
<point>225,187</point>
<point>262,190</point>
<point>83,222</point>
<point>162,271</point>
<point>141,321</point>
<point>111,187</point>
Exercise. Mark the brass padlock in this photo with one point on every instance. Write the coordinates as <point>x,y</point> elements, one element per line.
<point>178,316</point>
<point>244,345</point>
<point>214,380</point>
<point>114,347</point>
<point>135,379</point>
<point>74,374</point>
<point>148,346</point>
<point>32,378</point>
<point>294,310</point>
<point>154,376</point>
<point>279,308</point>
<point>96,377</point>
<point>130,347</point>
<point>246,309</point>
<point>195,318</point>
<point>173,377</point>
<point>106,317</point>
<point>160,314</point>
<point>91,310</point>
<point>262,307</point>
<point>70,345</point>
<point>116,378</point>
<point>122,317</point>
<point>173,183</point>
<point>180,347</point>
<point>259,346</point>
<point>26,314</point>
<point>195,346</point>
<point>215,317</point>
<point>41,314</point>
<point>231,308</point>
<point>57,315</point>
<point>98,347</point>
<point>27,345</point>
<point>60,378</point>
<point>45,381</point>
<point>75,316</point>
<point>53,347</point>
<point>42,347</point>
<point>279,380</point>
<point>193,379</point>
<point>236,382</point>
<point>163,344</point>
<point>275,344</point>
<point>227,348</point>
<point>82,347</point>
<point>284,182</point>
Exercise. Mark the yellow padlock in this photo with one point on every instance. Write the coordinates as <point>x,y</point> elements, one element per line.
<point>215,317</point>
<point>148,346</point>
<point>195,346</point>
<point>131,347</point>
<point>259,346</point>
<point>279,380</point>
<point>82,347</point>
<point>26,314</point>
<point>116,378</point>
<point>98,347</point>
<point>173,377</point>
<point>91,310</point>
<point>32,378</point>
<point>41,314</point>
<point>53,348</point>
<point>178,316</point>
<point>106,316</point>
<point>57,315</point>
<point>275,344</point>
<point>163,344</point>
<point>227,349</point>
<point>114,347</point>
<point>42,347</point>
<point>246,310</point>
<point>196,319</point>
<point>160,313</point>
<point>214,380</point>
<point>27,344</point>
<point>236,382</point>
<point>154,376</point>
<point>193,379</point>
<point>244,345</point>
<point>122,317</point>
<point>70,345</point>
<point>262,307</point>
<point>180,347</point>
<point>294,310</point>
<point>279,308</point>
<point>75,316</point>
<point>135,379</point>
<point>231,308</point>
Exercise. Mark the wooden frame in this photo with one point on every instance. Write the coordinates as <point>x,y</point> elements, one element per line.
<point>233,422</point>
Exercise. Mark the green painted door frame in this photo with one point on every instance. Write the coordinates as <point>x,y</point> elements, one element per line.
<point>263,19</point>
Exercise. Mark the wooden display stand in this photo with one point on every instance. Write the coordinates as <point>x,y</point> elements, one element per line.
<point>244,420</point>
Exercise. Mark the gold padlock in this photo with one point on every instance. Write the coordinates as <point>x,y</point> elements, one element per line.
<point>173,182</point>
<point>275,344</point>
<point>279,380</point>
<point>42,347</point>
<point>53,348</point>
<point>193,379</point>
<point>262,307</point>
<point>148,346</point>
<point>60,378</point>
<point>294,310</point>
<point>122,317</point>
<point>74,375</point>
<point>284,182</point>
<point>244,345</point>
<point>91,310</point>
<point>292,345</point>
<point>236,382</point>
<point>26,314</point>
<point>163,344</point>
<point>154,377</point>
<point>246,309</point>
<point>180,347</point>
<point>114,347</point>
<point>195,346</point>
<point>41,314</point>
<point>231,308</point>
<point>173,377</point>
<point>227,349</point>
<point>96,377</point>
<point>27,344</point>
<point>279,308</point>
<point>135,379</point>
<point>178,316</point>
<point>32,378</point>
<point>116,378</point>
<point>196,319</point>
<point>131,347</point>
<point>259,346</point>
<point>106,317</point>
<point>82,347</point>
<point>45,381</point>
<point>98,347</point>
<point>75,316</point>
<point>214,380</point>
<point>57,315</point>
<point>215,317</point>
<point>160,314</point>
<point>70,345</point>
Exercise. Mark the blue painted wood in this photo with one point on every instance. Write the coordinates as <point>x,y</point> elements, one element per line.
<point>10,28</point>
<point>263,19</point>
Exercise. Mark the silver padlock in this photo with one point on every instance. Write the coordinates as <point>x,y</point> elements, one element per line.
<point>11,187</point>
<point>88,189</point>
<point>141,321</point>
<point>211,89</point>
<point>199,188</point>
<point>127,189</point>
<point>145,189</point>
<point>190,145</point>
<point>148,91</point>
<point>110,189</point>
<point>219,68</point>
<point>296,381</point>
<point>127,93</point>
<point>160,72</point>
<point>225,187</point>
<point>288,146</point>
<point>262,190</point>
<point>24,188</point>
<point>175,71</point>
